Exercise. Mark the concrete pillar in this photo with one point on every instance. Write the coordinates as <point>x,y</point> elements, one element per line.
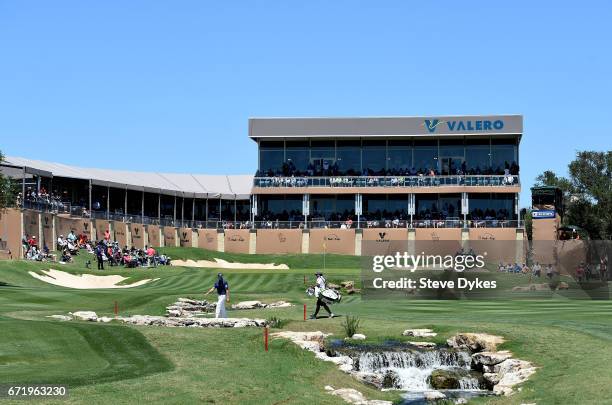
<point>305,241</point>
<point>252,241</point>
<point>177,239</point>
<point>465,237</point>
<point>194,238</point>
<point>41,237</point>
<point>53,244</point>
<point>220,240</point>
<point>358,239</point>
<point>411,248</point>
<point>128,235</point>
<point>520,252</point>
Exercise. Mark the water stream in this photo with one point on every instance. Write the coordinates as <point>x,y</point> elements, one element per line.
<point>410,368</point>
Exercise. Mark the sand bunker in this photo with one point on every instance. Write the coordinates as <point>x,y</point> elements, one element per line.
<point>223,264</point>
<point>85,281</point>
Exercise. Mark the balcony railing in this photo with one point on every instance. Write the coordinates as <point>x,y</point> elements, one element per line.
<point>45,205</point>
<point>311,223</point>
<point>381,223</point>
<point>388,181</point>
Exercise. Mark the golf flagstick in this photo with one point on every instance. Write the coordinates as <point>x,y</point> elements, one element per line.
<point>324,252</point>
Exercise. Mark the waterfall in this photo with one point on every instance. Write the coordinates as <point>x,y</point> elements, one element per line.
<point>469,383</point>
<point>414,367</point>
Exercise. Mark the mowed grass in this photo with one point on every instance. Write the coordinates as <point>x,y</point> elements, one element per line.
<point>569,340</point>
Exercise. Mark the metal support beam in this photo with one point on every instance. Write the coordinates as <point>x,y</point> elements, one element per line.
<point>159,207</point>
<point>174,213</point>
<point>142,207</point>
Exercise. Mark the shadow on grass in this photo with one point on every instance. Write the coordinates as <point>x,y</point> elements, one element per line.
<point>59,353</point>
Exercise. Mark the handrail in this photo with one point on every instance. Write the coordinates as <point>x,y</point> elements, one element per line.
<point>388,181</point>
<point>362,223</point>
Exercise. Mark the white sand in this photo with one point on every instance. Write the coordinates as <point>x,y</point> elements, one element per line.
<point>223,264</point>
<point>85,281</point>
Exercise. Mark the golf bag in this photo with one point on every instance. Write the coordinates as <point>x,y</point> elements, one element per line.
<point>328,295</point>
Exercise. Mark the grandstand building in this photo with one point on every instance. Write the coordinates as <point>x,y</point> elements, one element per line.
<point>321,185</point>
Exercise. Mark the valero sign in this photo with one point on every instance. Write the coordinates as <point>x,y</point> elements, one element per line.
<point>463,125</point>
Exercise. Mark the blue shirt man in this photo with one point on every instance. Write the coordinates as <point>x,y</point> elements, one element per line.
<point>222,288</point>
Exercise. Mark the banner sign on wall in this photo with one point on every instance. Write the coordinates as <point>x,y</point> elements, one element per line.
<point>542,214</point>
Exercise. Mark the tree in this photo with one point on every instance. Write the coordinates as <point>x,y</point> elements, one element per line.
<point>587,193</point>
<point>7,189</point>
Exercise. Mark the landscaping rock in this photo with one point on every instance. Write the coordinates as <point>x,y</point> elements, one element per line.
<point>562,286</point>
<point>193,322</point>
<point>248,305</point>
<point>352,396</point>
<point>423,344</point>
<point>259,304</point>
<point>279,304</point>
<point>491,378</point>
<point>433,395</point>
<point>391,380</point>
<point>189,307</point>
<point>419,333</point>
<point>511,373</point>
<point>85,315</point>
<point>475,342</point>
<point>312,341</point>
<point>491,358</point>
<point>444,379</point>
<point>533,287</point>
<point>104,319</point>
<point>358,336</point>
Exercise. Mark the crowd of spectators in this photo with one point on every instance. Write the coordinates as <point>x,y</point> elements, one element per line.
<point>328,169</point>
<point>107,251</point>
<point>42,200</point>
<point>32,250</point>
<point>582,272</point>
<point>592,271</point>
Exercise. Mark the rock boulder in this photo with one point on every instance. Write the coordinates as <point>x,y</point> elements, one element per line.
<point>85,315</point>
<point>419,333</point>
<point>475,342</point>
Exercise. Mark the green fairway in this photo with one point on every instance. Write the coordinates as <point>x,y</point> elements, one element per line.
<point>569,340</point>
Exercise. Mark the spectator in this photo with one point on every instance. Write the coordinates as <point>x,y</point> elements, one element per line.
<point>549,271</point>
<point>537,269</point>
<point>100,255</point>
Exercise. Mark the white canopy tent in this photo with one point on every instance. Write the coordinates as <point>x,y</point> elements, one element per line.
<point>179,184</point>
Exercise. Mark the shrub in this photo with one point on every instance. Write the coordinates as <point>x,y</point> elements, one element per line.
<point>275,322</point>
<point>350,325</point>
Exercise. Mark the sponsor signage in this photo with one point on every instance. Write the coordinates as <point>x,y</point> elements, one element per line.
<point>543,214</point>
<point>237,240</point>
<point>463,126</point>
<point>384,126</point>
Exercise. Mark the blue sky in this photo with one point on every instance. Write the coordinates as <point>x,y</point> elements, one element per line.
<point>169,86</point>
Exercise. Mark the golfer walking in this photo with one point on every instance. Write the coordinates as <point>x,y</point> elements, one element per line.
<point>223,290</point>
<point>319,287</point>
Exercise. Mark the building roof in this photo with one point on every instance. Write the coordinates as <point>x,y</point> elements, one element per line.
<point>473,125</point>
<point>188,185</point>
